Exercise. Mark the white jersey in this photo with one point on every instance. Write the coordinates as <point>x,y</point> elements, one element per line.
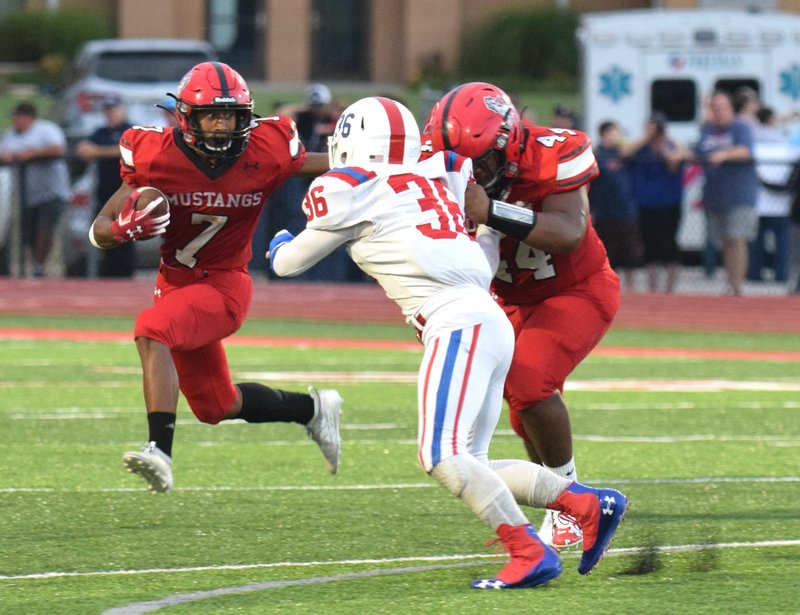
<point>403,225</point>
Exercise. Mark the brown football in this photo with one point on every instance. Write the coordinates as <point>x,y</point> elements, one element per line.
<point>148,194</point>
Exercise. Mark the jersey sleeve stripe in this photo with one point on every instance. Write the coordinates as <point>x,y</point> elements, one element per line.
<point>127,155</point>
<point>575,167</point>
<point>575,152</point>
<point>574,182</point>
<point>453,162</point>
<point>352,175</point>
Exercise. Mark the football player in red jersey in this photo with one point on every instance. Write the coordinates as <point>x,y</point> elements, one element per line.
<point>553,278</point>
<point>217,167</point>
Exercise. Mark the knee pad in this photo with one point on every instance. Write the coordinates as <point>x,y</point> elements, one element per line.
<point>207,415</point>
<point>480,488</point>
<point>149,324</point>
<point>451,475</point>
<point>209,405</point>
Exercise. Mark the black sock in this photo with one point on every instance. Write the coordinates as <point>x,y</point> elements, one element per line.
<point>261,404</point>
<point>162,430</point>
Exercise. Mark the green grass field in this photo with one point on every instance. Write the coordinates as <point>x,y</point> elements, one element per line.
<point>707,450</point>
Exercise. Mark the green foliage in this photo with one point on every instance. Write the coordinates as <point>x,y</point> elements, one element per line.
<point>47,38</point>
<point>30,36</point>
<point>536,44</point>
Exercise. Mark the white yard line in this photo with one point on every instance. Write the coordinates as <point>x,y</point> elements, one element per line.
<point>461,561</point>
<point>397,486</point>
<point>391,560</point>
<point>405,377</point>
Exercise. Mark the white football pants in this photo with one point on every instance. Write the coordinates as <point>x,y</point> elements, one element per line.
<point>460,383</point>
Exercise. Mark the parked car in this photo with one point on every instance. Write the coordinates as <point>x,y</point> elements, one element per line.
<point>140,71</point>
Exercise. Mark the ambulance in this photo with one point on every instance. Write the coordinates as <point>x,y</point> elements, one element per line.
<point>640,61</point>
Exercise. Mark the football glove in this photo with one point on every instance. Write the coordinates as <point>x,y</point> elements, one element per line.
<point>132,225</point>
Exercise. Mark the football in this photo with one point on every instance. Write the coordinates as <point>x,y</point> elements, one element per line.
<point>148,194</point>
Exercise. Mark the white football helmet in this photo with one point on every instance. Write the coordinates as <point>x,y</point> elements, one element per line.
<point>374,130</point>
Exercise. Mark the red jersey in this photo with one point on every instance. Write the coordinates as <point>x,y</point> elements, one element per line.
<point>555,160</point>
<point>213,210</point>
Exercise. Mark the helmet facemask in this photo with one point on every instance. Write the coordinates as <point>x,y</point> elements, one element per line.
<point>216,144</point>
<point>493,170</point>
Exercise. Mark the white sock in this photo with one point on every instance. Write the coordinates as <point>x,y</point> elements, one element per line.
<point>568,470</point>
<point>531,484</point>
<point>481,489</point>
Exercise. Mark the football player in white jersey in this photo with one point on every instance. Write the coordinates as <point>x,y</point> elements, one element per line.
<point>403,224</point>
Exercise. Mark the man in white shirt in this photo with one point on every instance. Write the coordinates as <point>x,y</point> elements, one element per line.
<point>37,147</point>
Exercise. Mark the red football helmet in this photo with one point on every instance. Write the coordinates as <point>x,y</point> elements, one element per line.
<point>479,120</point>
<point>214,86</point>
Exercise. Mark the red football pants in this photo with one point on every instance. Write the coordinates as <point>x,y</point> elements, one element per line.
<point>554,336</point>
<point>191,315</point>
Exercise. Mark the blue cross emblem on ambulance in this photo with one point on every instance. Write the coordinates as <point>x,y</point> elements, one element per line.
<point>790,82</point>
<point>615,83</point>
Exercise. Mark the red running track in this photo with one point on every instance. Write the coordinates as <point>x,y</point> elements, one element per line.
<point>367,303</point>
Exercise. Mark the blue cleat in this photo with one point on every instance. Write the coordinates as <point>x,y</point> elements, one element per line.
<point>532,562</point>
<point>599,513</point>
<point>613,506</point>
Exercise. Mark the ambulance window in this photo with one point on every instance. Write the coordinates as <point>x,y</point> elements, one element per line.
<point>675,98</point>
<point>731,85</point>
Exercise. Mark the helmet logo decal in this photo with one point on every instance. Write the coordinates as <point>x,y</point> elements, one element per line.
<point>185,81</point>
<point>497,105</point>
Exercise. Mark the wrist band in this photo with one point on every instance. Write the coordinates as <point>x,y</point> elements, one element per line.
<point>513,220</point>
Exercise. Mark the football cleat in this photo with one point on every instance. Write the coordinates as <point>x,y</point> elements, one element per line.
<point>560,531</point>
<point>599,513</point>
<point>323,427</point>
<point>153,465</point>
<point>532,562</point>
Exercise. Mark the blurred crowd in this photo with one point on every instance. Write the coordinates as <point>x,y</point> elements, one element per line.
<point>748,165</point>
<point>747,162</point>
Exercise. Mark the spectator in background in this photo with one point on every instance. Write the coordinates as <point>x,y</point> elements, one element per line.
<point>775,158</point>
<point>746,105</point>
<point>168,107</point>
<point>563,117</point>
<point>612,206</point>
<point>794,215</point>
<point>102,148</point>
<point>315,120</point>
<point>37,148</point>
<point>655,162</point>
<point>725,151</point>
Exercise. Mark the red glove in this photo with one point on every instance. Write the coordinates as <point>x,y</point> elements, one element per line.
<point>132,225</point>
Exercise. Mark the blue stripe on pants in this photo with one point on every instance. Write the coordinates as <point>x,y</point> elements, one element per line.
<point>442,395</point>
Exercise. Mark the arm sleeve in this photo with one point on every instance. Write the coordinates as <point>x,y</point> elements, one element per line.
<point>306,250</point>
<point>489,241</point>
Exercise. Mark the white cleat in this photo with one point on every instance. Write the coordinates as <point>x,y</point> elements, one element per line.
<point>153,465</point>
<point>323,428</point>
<point>560,531</point>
